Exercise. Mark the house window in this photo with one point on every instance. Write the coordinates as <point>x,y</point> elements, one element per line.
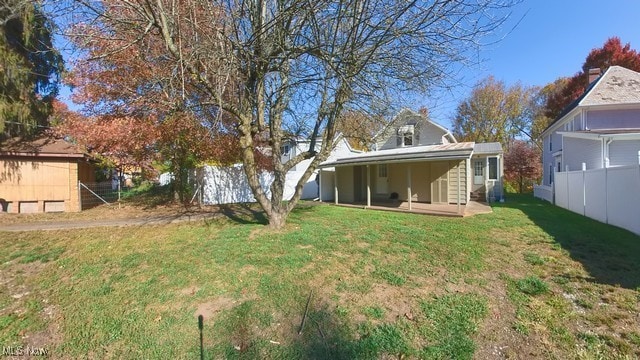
<point>550,144</point>
<point>382,170</point>
<point>405,135</point>
<point>550,174</point>
<point>493,168</point>
<point>284,149</point>
<point>408,140</point>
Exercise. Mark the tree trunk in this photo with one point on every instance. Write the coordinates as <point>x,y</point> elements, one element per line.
<point>520,185</point>
<point>278,218</point>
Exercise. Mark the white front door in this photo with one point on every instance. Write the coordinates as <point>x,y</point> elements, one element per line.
<point>478,171</point>
<point>382,183</point>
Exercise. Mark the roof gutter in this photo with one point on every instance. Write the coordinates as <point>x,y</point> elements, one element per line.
<point>388,159</point>
<point>42,155</point>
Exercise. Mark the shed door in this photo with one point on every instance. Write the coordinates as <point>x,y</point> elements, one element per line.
<point>382,185</point>
<point>440,183</point>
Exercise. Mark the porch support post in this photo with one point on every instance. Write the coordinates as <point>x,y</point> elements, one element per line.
<point>409,185</point>
<point>335,185</point>
<point>368,186</point>
<point>458,203</point>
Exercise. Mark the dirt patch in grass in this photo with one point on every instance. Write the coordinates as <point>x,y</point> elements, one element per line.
<point>32,320</point>
<point>189,291</point>
<point>211,308</point>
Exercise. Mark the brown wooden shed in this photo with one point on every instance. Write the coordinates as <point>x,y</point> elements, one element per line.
<point>42,175</point>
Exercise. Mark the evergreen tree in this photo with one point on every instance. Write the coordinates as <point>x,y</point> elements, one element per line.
<point>30,68</point>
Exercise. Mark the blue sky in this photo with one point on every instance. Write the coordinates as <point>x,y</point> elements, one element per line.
<point>543,40</point>
<point>551,40</point>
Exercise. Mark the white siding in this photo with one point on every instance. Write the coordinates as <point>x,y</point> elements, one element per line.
<point>547,160</point>
<point>327,181</point>
<point>429,134</point>
<point>425,131</point>
<point>578,151</point>
<point>453,182</point>
<point>345,184</point>
<point>556,140</point>
<point>613,119</point>
<point>624,152</point>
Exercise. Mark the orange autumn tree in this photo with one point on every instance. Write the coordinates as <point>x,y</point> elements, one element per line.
<point>134,113</point>
<point>111,139</point>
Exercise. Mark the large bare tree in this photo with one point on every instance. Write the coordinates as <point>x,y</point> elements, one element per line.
<point>267,63</point>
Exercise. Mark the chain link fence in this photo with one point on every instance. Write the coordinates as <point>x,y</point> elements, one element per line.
<point>94,194</point>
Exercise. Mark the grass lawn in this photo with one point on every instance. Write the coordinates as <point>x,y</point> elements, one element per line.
<point>529,281</point>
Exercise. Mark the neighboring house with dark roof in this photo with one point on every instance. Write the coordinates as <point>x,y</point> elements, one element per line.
<point>600,129</point>
<point>42,175</point>
<point>416,161</point>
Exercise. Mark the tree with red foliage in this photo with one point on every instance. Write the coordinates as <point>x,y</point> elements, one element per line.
<point>522,164</point>
<point>112,140</point>
<point>134,112</point>
<point>611,53</point>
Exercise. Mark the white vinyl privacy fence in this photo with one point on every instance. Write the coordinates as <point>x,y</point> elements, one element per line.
<point>610,195</point>
<point>228,185</point>
<point>215,185</point>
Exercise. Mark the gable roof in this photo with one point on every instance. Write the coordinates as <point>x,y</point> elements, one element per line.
<point>405,116</point>
<point>618,85</point>
<point>43,146</point>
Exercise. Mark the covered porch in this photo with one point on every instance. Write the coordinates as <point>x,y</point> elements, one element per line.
<point>431,180</point>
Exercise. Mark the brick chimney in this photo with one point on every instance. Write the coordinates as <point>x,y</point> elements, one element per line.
<point>594,73</point>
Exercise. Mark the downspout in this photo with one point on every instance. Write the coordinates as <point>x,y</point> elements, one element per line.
<point>606,150</point>
<point>603,155</point>
<point>562,153</point>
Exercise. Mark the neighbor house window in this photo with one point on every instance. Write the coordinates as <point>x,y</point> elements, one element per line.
<point>493,168</point>
<point>550,174</point>
<point>284,149</point>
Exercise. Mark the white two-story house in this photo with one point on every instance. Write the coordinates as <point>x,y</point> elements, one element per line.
<point>600,129</point>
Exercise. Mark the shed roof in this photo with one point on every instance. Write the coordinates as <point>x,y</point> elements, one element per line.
<point>487,148</point>
<point>43,146</point>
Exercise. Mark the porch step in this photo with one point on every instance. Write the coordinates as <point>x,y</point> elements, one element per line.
<point>478,196</point>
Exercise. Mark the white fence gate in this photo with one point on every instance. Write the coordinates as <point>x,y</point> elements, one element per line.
<point>610,195</point>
